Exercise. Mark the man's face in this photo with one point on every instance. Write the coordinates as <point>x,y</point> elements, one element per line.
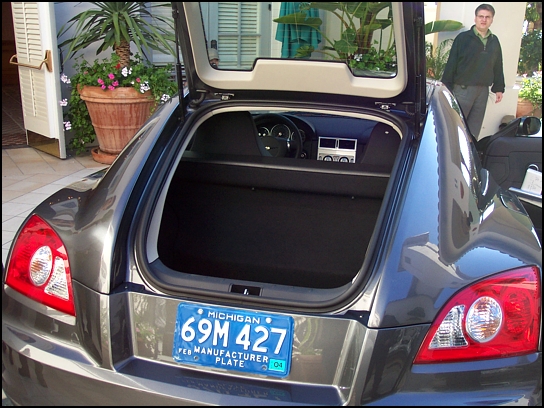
<point>483,20</point>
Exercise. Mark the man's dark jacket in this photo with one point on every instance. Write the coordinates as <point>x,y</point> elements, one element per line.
<point>470,63</point>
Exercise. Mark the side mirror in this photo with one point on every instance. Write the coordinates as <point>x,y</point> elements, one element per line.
<point>528,125</point>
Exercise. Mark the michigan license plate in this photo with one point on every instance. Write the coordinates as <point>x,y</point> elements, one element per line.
<point>233,339</point>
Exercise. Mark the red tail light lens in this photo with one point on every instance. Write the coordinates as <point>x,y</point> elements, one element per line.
<point>39,267</point>
<point>496,317</point>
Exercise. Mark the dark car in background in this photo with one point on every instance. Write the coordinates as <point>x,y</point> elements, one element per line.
<point>287,231</point>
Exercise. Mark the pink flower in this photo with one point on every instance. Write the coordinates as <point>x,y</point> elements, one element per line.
<point>111,76</point>
<point>111,87</point>
<point>100,81</point>
<point>138,80</point>
<point>103,86</point>
<point>115,83</point>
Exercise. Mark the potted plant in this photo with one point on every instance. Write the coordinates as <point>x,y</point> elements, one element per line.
<point>359,23</point>
<point>116,94</point>
<point>355,45</point>
<point>530,96</point>
<point>437,58</point>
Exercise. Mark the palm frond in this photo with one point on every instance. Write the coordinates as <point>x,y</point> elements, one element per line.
<point>110,23</point>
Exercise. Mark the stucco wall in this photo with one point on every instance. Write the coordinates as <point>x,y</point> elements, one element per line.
<point>63,12</point>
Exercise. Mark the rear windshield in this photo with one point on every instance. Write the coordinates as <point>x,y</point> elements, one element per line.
<point>359,34</point>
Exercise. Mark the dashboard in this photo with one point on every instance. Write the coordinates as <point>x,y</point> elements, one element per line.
<point>323,137</point>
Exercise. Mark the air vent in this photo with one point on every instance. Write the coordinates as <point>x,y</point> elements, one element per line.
<point>336,149</point>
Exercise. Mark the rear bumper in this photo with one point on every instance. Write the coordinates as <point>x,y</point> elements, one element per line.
<point>27,381</point>
<point>47,362</point>
<point>48,373</point>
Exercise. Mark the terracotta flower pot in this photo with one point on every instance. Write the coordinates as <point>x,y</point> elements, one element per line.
<point>116,115</point>
<point>525,108</point>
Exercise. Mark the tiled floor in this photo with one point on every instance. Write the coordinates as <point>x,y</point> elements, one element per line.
<point>30,176</point>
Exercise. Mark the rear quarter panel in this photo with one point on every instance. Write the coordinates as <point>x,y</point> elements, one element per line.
<point>88,215</point>
<point>446,234</point>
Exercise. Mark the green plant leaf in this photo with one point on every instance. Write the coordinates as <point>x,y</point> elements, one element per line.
<point>374,26</point>
<point>531,89</point>
<point>357,9</point>
<point>355,44</point>
<point>349,35</point>
<point>299,19</point>
<point>109,23</point>
<point>345,47</point>
<point>382,23</point>
<point>304,51</point>
<point>439,26</point>
<point>436,59</point>
<point>530,57</point>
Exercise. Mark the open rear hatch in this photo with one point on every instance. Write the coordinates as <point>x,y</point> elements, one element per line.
<point>242,225</point>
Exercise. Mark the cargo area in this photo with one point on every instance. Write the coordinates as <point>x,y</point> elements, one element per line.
<point>236,221</point>
<point>269,220</point>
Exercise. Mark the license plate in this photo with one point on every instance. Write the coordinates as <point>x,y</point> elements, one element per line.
<point>233,339</point>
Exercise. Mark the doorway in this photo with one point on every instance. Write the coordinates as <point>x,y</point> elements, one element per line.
<point>13,130</point>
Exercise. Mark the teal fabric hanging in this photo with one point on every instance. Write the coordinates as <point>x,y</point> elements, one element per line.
<point>292,36</point>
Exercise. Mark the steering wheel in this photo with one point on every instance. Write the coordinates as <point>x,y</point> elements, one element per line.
<point>277,143</point>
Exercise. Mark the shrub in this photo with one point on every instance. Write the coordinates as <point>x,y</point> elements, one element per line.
<point>531,89</point>
<point>530,56</point>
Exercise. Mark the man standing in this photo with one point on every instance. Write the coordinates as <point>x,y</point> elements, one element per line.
<point>475,64</point>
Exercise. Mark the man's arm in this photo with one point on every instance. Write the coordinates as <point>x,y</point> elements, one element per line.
<point>498,75</point>
<point>451,65</point>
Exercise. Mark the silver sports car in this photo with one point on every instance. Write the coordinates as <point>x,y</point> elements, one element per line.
<point>310,225</point>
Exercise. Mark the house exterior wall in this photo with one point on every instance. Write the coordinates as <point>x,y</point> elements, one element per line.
<point>64,11</point>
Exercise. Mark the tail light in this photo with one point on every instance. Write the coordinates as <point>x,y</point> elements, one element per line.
<point>39,267</point>
<point>495,317</point>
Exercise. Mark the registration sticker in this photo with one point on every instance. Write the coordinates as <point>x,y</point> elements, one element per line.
<point>233,339</point>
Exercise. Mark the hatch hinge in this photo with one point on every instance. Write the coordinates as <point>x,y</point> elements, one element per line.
<point>195,103</point>
<point>225,96</point>
<point>386,106</point>
<point>409,108</point>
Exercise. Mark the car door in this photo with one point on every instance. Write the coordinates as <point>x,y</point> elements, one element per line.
<point>513,156</point>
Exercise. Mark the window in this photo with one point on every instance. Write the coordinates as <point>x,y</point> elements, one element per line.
<point>157,57</point>
<point>241,29</point>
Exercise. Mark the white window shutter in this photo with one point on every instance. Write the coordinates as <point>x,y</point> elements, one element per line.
<point>239,34</point>
<point>35,33</point>
<point>159,58</point>
<point>29,51</point>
